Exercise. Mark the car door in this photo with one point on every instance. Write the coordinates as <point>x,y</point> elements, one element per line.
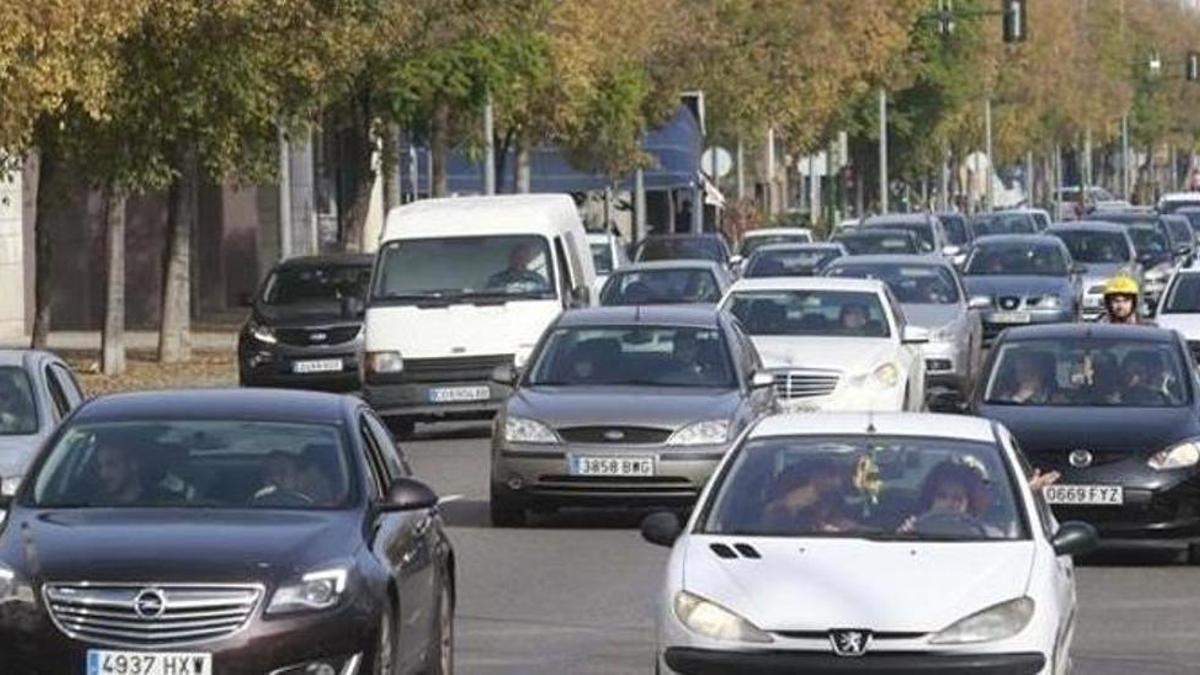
<point>396,543</point>
<point>912,363</point>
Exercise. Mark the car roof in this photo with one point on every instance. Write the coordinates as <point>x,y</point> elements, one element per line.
<point>545,214</point>
<point>266,405</point>
<point>701,316</point>
<point>898,219</point>
<point>808,284</point>
<point>1038,238</point>
<point>348,259</point>
<point>702,235</point>
<point>884,424</point>
<point>771,231</point>
<point>20,357</point>
<point>892,259</point>
<point>676,264</point>
<point>1086,226</point>
<point>1075,331</point>
<point>807,246</point>
<point>874,233</point>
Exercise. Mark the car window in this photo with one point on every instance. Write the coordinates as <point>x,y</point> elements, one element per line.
<point>913,284</point>
<point>871,487</point>
<point>791,262</point>
<point>878,243</point>
<point>923,231</point>
<point>1004,223</point>
<point>62,406</point>
<point>564,272</point>
<point>602,258</point>
<point>1181,231</point>
<point>198,464</point>
<point>752,244</point>
<point>956,229</point>
<point>379,476</point>
<point>661,356</point>
<point>682,248</point>
<point>67,383</point>
<point>1016,258</point>
<point>312,283</point>
<point>810,312</point>
<point>1095,247</point>
<point>393,459</point>
<point>661,287</point>
<point>450,267</point>
<point>1184,296</point>
<point>1089,372</point>
<point>18,407</point>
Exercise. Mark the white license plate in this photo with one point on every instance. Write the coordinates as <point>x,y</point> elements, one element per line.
<point>104,662</point>
<point>318,366</point>
<point>459,394</point>
<point>1089,495</point>
<point>612,466</point>
<point>1011,317</point>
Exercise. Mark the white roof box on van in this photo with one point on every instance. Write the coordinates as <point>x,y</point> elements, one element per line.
<point>546,214</point>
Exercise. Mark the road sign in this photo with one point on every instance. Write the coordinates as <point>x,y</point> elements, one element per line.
<point>724,162</point>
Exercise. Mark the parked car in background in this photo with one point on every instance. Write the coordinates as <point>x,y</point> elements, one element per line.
<point>853,543</point>
<point>1023,279</point>
<point>463,285</point>
<point>305,328</point>
<point>932,296</point>
<point>792,260</point>
<point>833,344</point>
<point>1173,201</point>
<point>224,531</point>
<point>861,241</point>
<point>928,229</point>
<point>623,406</point>
<point>1004,222</point>
<point>1180,307</point>
<point>1105,250</point>
<point>709,247</point>
<point>667,282</point>
<point>1114,410</point>
<point>37,391</point>
<point>608,254</point>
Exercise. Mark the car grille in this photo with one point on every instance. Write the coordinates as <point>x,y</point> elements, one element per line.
<point>128,615</point>
<point>617,434</point>
<point>454,369</point>
<point>805,383</point>
<point>310,337</point>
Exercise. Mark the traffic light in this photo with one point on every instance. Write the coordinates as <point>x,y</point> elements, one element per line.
<point>1015,25</point>
<point>1192,71</point>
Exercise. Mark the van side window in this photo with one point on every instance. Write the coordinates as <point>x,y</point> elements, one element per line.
<point>565,282</point>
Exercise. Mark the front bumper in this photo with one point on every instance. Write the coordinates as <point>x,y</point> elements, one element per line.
<point>694,661</point>
<point>995,322</point>
<point>263,365</point>
<point>410,393</point>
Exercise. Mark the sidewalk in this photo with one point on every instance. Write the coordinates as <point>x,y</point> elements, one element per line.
<point>208,341</point>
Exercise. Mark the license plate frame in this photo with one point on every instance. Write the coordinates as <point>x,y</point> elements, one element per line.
<point>1012,317</point>
<point>612,466</point>
<point>1068,494</point>
<point>127,662</point>
<point>468,394</point>
<point>317,366</point>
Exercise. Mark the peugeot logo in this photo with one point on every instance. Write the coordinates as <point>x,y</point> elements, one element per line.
<point>317,336</point>
<point>1009,303</point>
<point>150,603</point>
<point>850,642</point>
<point>614,435</point>
<point>1080,459</point>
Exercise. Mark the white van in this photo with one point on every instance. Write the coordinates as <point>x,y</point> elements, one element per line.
<point>463,285</point>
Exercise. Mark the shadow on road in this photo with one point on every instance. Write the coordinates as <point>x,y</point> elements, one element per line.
<point>1129,559</point>
<point>474,513</point>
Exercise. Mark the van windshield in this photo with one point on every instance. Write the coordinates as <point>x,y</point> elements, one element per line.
<point>508,266</point>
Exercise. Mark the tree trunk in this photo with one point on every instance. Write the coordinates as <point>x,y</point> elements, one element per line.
<point>439,147</point>
<point>362,169</point>
<point>112,339</point>
<point>174,331</point>
<point>49,190</point>
<point>391,168</point>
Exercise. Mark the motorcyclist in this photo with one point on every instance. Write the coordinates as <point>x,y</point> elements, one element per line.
<point>1121,295</point>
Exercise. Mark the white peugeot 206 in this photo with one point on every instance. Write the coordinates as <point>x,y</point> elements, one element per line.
<point>853,542</point>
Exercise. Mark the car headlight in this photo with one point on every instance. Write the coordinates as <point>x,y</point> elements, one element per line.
<point>383,362</point>
<point>1048,302</point>
<point>315,591</point>
<point>714,621</point>
<point>13,589</point>
<point>887,374</point>
<point>8,487</point>
<point>523,430</point>
<point>708,432</point>
<point>264,334</point>
<point>1176,457</point>
<point>994,623</point>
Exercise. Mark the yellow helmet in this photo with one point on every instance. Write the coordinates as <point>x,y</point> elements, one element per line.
<point>1121,285</point>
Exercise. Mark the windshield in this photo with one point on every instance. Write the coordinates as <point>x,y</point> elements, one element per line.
<point>18,414</point>
<point>657,356</point>
<point>1173,205</point>
<point>1149,241</point>
<point>196,464</point>
<point>1018,258</point>
<point>504,266</point>
<point>911,284</point>
<point>1005,223</point>
<point>752,244</point>
<point>683,248</point>
<point>956,229</point>
<point>1192,214</point>
<point>1088,372</point>
<point>661,287</point>
<point>1181,230</point>
<point>877,243</point>
<point>923,231</point>
<point>868,487</point>
<point>309,283</point>
<point>1184,297</point>
<point>602,257</point>
<point>837,313</point>
<point>795,262</point>
<point>1094,247</point>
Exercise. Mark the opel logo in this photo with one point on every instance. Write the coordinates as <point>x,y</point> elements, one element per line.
<point>614,435</point>
<point>1080,459</point>
<point>317,336</point>
<point>850,642</point>
<point>150,603</point>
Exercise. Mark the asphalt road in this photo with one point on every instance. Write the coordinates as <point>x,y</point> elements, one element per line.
<point>573,593</point>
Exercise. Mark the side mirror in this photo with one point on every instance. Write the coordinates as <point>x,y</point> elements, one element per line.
<point>1074,538</point>
<point>762,380</point>
<point>407,494</point>
<point>505,375</point>
<point>736,261</point>
<point>915,335</point>
<point>951,250</point>
<point>979,302</point>
<point>661,528</point>
<point>244,299</point>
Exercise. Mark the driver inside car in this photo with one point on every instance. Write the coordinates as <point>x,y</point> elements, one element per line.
<point>807,498</point>
<point>853,318</point>
<point>518,272</point>
<point>122,478</point>
<point>281,477</point>
<point>1144,380</point>
<point>953,499</point>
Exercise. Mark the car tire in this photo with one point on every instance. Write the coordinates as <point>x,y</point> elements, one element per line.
<point>386,652</point>
<point>441,661</point>
<point>506,512</point>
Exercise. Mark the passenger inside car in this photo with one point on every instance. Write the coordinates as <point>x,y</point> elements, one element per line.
<point>16,403</point>
<point>808,496</point>
<point>1144,379</point>
<point>1028,380</point>
<point>121,476</point>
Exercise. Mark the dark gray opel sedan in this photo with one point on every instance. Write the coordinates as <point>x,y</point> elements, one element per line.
<point>624,406</point>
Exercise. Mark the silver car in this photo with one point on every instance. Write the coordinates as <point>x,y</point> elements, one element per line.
<point>624,406</point>
<point>37,390</point>
<point>1105,251</point>
<point>932,296</point>
<point>667,282</point>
